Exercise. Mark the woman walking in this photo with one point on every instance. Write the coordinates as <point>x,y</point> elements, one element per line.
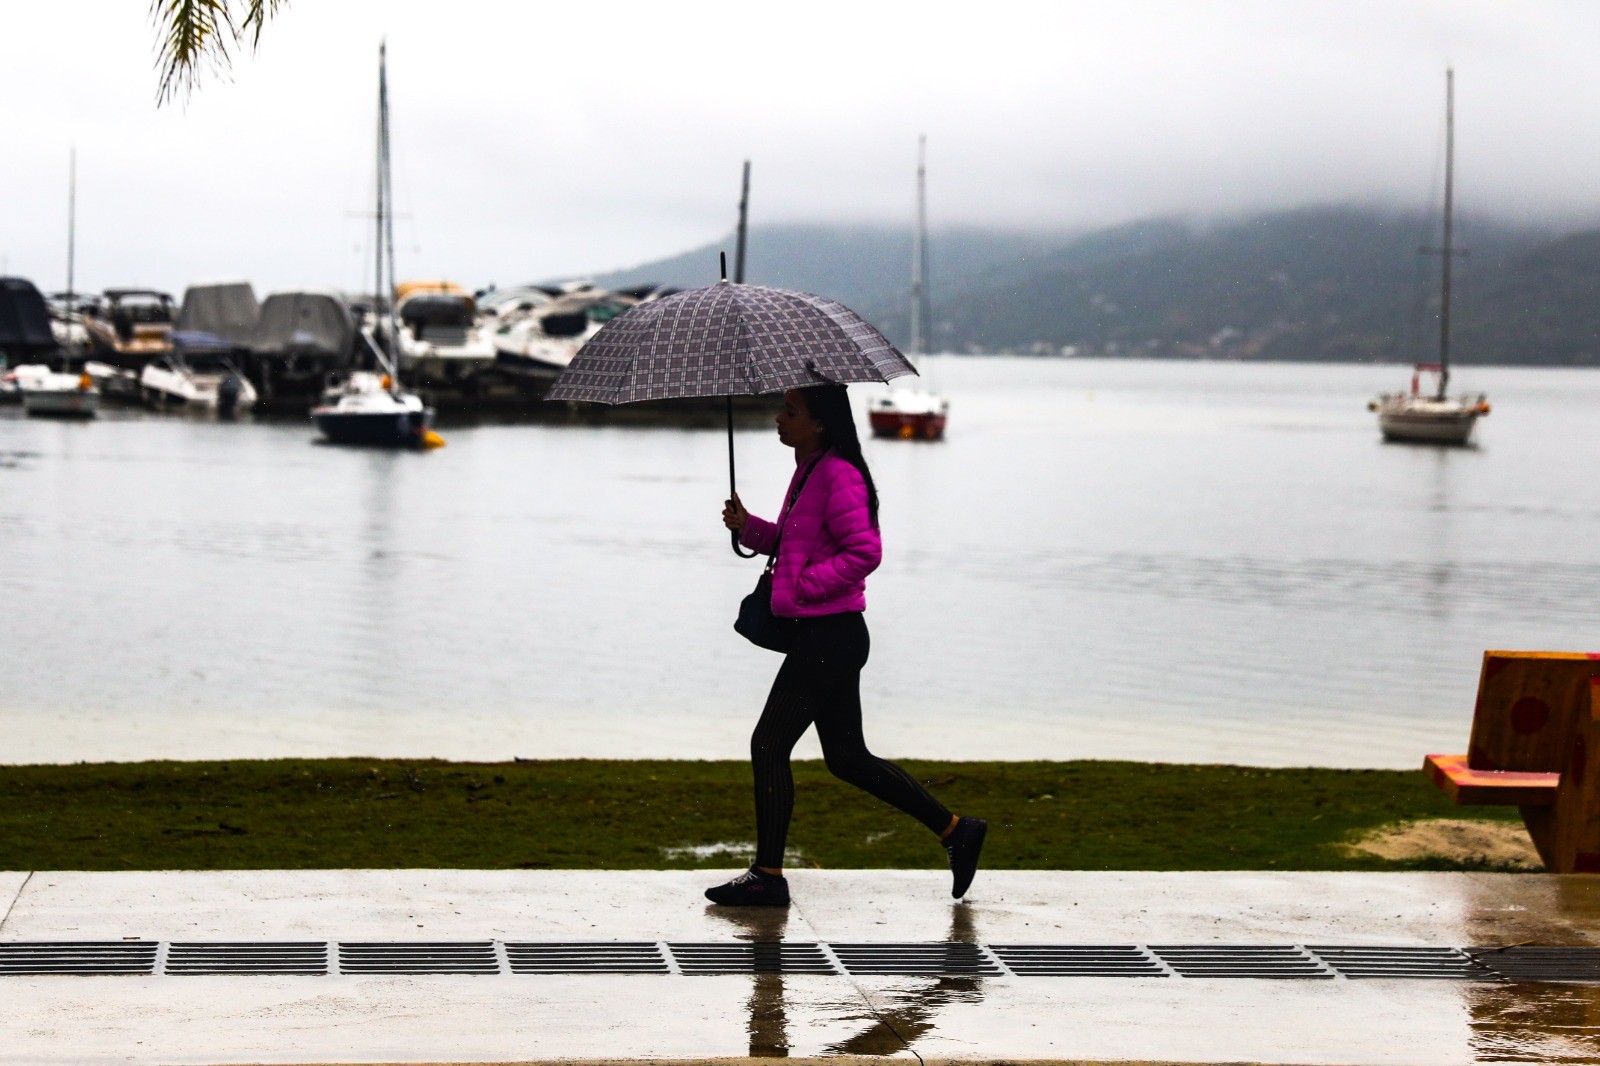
<point>826,540</point>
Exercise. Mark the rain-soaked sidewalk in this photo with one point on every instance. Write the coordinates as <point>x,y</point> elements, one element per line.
<point>457,966</point>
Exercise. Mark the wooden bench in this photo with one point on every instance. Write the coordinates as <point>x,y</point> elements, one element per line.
<point>1535,745</point>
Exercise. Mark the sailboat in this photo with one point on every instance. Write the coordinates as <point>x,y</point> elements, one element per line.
<point>912,413</point>
<point>1435,418</point>
<point>60,392</point>
<point>364,406</point>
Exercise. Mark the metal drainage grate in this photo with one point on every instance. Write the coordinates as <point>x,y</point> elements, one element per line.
<point>701,959</point>
<point>1074,960</point>
<point>1241,961</point>
<point>79,957</point>
<point>419,957</point>
<point>1444,963</point>
<point>148,957</point>
<point>1541,964</point>
<point>938,960</point>
<point>639,957</point>
<point>309,958</point>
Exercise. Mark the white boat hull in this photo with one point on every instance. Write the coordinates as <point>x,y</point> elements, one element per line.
<point>1428,421</point>
<point>165,387</point>
<point>52,395</point>
<point>442,355</point>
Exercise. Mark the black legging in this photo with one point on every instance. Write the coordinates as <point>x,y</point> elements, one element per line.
<point>820,681</point>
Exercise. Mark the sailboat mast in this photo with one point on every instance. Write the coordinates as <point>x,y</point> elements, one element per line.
<point>1449,248</point>
<point>377,196</point>
<point>744,225</point>
<point>72,222</point>
<point>385,214</point>
<point>919,254</point>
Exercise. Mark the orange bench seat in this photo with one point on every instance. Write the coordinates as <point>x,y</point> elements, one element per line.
<point>1510,788</point>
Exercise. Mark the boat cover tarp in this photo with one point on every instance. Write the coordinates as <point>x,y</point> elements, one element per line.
<point>436,310</point>
<point>24,318</point>
<point>225,312</point>
<point>304,322</point>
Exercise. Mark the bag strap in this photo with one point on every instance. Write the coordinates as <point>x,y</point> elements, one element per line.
<point>783,517</point>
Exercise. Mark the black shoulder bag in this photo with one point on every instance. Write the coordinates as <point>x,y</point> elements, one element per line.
<point>756,622</point>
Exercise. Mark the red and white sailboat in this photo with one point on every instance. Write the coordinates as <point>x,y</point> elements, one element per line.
<point>907,413</point>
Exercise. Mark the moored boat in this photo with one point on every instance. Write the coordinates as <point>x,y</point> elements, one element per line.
<point>1428,419</point>
<point>197,381</point>
<point>438,335</point>
<point>26,334</point>
<point>1418,418</point>
<point>362,406</point>
<point>48,393</point>
<point>540,340</point>
<point>114,382</point>
<point>130,327</point>
<point>301,337</point>
<point>914,413</point>
<point>908,414</point>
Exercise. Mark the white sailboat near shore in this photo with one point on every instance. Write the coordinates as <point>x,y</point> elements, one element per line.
<point>1434,417</point>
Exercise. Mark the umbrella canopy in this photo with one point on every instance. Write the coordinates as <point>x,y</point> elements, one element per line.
<point>728,340</point>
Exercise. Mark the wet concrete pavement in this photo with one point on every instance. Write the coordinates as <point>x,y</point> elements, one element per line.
<point>344,1018</point>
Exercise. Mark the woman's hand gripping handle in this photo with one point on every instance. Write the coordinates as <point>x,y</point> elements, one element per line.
<point>734,514</point>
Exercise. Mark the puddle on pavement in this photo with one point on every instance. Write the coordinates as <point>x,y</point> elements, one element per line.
<point>737,852</point>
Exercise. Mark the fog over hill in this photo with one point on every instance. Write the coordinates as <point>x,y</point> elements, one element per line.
<point>1317,284</point>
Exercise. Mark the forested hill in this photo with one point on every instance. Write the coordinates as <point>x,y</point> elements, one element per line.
<point>1328,284</point>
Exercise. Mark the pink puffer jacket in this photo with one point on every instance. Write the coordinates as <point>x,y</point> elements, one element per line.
<point>829,543</point>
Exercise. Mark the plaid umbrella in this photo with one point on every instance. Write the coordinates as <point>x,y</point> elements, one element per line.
<point>727,340</point>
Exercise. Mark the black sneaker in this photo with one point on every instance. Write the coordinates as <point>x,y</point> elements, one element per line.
<point>963,845</point>
<point>753,888</point>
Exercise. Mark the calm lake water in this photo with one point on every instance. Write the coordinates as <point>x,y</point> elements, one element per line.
<point>1179,561</point>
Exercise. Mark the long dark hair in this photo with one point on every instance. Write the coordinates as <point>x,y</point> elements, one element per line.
<point>830,405</point>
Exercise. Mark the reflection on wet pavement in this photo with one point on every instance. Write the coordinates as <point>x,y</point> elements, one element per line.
<point>911,1013</point>
<point>768,1023</point>
<point>890,1026</point>
<point>1534,1023</point>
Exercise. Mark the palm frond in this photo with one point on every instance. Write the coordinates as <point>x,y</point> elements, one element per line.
<point>257,16</point>
<point>195,36</point>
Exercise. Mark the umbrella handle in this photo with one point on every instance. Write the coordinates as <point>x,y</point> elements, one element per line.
<point>733,534</point>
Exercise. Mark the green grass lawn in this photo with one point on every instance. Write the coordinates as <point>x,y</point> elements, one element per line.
<point>608,814</point>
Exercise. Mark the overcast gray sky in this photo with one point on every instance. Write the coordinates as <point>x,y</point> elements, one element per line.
<point>535,139</point>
